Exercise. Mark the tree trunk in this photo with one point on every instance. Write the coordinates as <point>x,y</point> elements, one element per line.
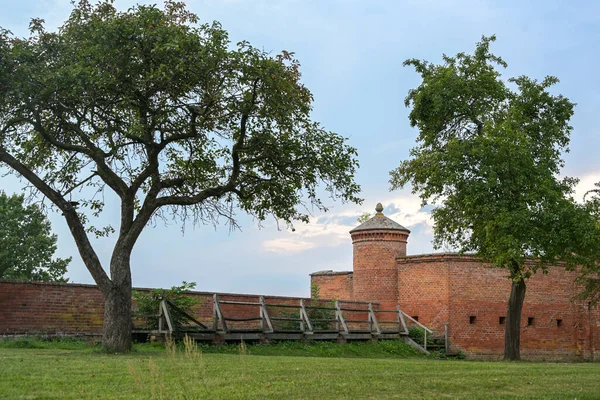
<point>512,337</point>
<point>116,337</point>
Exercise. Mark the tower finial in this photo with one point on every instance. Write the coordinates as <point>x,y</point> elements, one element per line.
<point>379,209</point>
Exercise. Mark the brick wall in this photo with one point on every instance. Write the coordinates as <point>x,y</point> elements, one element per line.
<point>473,298</point>
<point>77,309</point>
<point>333,284</point>
<point>423,289</point>
<point>50,309</point>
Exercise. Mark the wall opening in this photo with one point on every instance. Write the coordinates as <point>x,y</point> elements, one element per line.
<point>502,320</point>
<point>530,321</point>
<point>558,323</point>
<point>415,317</point>
<point>472,319</point>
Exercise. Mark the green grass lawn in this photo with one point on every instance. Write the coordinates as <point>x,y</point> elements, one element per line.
<point>76,371</point>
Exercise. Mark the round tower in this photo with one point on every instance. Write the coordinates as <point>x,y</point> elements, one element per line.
<point>376,244</point>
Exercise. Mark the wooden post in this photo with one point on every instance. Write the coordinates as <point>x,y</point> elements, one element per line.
<point>215,315</point>
<point>264,315</point>
<point>304,315</point>
<point>401,320</point>
<point>425,340</point>
<point>219,313</point>
<point>373,319</point>
<point>340,318</point>
<point>160,317</point>
<point>300,316</point>
<point>167,315</point>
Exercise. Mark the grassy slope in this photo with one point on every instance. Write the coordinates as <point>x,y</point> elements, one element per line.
<point>74,371</point>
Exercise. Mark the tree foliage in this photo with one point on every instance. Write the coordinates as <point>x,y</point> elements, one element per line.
<point>27,243</point>
<point>489,155</point>
<point>171,117</point>
<point>148,303</point>
<point>589,278</point>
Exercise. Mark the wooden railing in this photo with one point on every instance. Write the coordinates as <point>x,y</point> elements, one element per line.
<point>425,329</point>
<point>343,315</point>
<point>352,320</point>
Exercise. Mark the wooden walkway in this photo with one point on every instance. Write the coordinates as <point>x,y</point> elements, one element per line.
<point>260,321</point>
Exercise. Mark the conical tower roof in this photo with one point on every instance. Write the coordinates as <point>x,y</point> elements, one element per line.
<point>379,222</point>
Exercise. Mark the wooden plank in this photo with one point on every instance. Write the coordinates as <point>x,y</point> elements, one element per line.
<point>281,305</point>
<point>417,322</point>
<point>215,316</point>
<point>340,318</point>
<point>320,308</point>
<point>373,319</point>
<point>324,336</point>
<point>167,315</point>
<point>401,320</point>
<point>357,336</point>
<point>304,315</point>
<point>285,319</point>
<point>241,303</point>
<point>243,336</point>
<point>264,314</point>
<point>284,336</point>
<point>219,313</point>
<point>185,314</point>
<point>160,318</point>
<point>242,319</point>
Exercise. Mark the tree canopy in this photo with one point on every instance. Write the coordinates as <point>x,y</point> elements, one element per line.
<point>27,243</point>
<point>489,156</point>
<point>172,118</point>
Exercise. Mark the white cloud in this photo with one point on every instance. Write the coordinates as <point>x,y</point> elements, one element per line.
<point>586,183</point>
<point>287,245</point>
<point>332,229</point>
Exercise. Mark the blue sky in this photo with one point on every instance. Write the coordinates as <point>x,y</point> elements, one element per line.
<point>351,54</point>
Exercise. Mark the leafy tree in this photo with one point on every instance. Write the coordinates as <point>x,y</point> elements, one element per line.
<point>490,152</point>
<point>170,117</point>
<point>27,245</point>
<point>589,277</point>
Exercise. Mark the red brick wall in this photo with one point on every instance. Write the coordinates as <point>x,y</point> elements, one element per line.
<point>423,289</point>
<point>48,308</point>
<point>483,292</point>
<point>450,288</point>
<point>76,309</point>
<point>333,285</point>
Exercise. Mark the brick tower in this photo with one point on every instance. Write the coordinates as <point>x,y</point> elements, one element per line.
<point>376,244</point>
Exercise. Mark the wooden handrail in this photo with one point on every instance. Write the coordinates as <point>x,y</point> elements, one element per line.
<point>306,323</point>
<point>417,322</point>
<point>241,303</point>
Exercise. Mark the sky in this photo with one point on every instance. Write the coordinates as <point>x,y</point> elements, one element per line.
<point>351,53</point>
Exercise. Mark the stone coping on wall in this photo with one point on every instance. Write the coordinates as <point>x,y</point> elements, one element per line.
<point>331,272</point>
<point>90,286</point>
<point>438,257</point>
<point>432,257</point>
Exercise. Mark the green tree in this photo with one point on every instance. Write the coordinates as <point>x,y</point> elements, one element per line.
<point>489,154</point>
<point>169,116</point>
<point>589,277</point>
<point>27,244</point>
